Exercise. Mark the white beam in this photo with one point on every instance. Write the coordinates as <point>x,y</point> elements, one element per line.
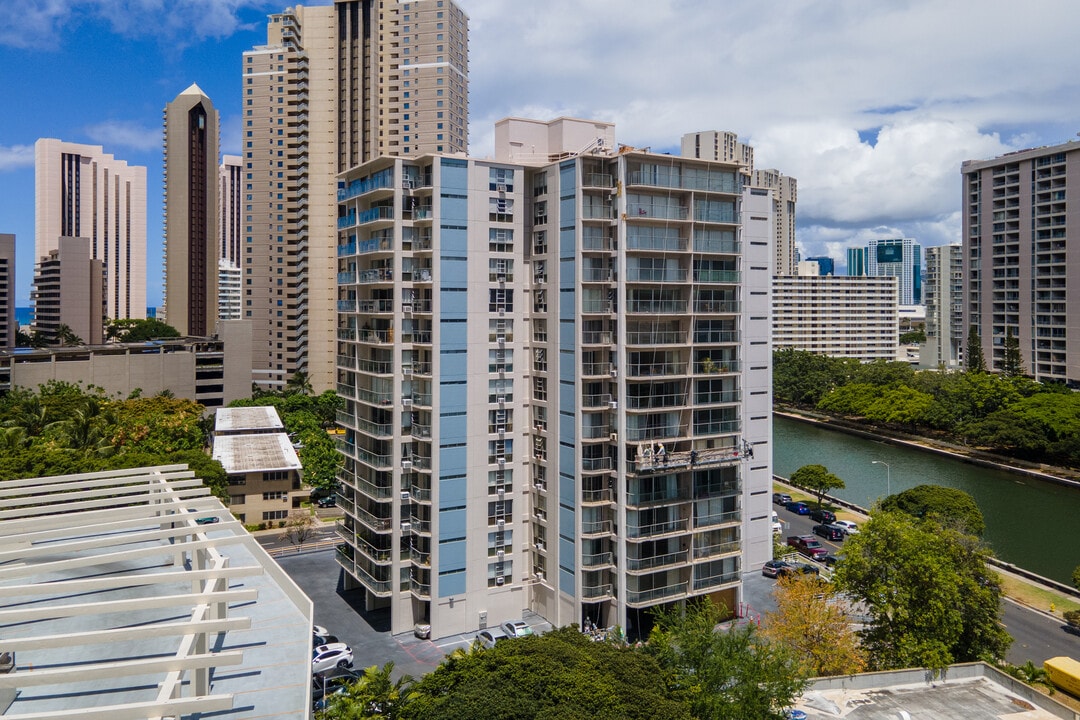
<point>112,540</point>
<point>17,644</point>
<point>15,571</point>
<point>136,711</point>
<point>120,668</point>
<point>105,607</point>
<point>124,581</point>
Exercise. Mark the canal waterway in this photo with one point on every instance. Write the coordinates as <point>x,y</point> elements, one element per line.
<point>1029,522</point>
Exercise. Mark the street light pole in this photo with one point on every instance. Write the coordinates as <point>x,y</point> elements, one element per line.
<point>888,475</point>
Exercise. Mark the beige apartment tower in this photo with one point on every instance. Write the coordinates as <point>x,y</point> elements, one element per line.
<point>80,191</point>
<point>69,291</point>
<point>1019,275</point>
<point>191,206</point>
<point>333,87</point>
<point>724,146</point>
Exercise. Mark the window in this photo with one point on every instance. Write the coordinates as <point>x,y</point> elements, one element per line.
<point>501,209</point>
<point>500,390</point>
<point>276,515</point>
<point>500,179</point>
<point>275,495</point>
<point>500,270</point>
<point>500,360</point>
<point>500,300</point>
<point>500,239</point>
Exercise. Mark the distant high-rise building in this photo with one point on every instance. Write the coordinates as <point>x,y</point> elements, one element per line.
<point>855,317</point>
<point>230,216</point>
<point>725,147</point>
<point>191,209</point>
<point>79,191</point>
<point>229,300</point>
<point>856,262</point>
<point>333,87</point>
<point>555,370</point>
<point>825,265</point>
<point>69,291</point>
<point>1021,271</point>
<point>8,324</point>
<point>944,290</point>
<point>900,258</point>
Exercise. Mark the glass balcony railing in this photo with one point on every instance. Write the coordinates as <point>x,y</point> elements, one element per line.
<point>596,592</point>
<point>657,529</point>
<point>718,519</point>
<point>714,581</point>
<point>654,595</point>
<point>656,561</point>
<point>597,559</point>
<point>708,551</point>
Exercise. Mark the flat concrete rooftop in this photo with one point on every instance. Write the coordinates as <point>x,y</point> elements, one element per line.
<point>968,691</point>
<point>117,604</point>
<point>255,453</point>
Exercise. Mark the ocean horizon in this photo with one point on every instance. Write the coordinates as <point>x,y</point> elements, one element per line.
<point>24,316</point>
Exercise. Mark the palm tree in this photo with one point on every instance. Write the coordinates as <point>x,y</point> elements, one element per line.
<point>373,695</point>
<point>30,415</point>
<point>13,438</point>
<point>299,384</point>
<point>89,428</point>
<point>65,336</point>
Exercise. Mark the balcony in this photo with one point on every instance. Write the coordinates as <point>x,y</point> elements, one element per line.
<point>373,522</point>
<point>419,589</point>
<point>725,518</point>
<point>713,551</point>
<point>657,369</point>
<point>594,528</point>
<point>372,397</point>
<point>375,367</point>
<point>597,592</point>
<point>376,214</point>
<point>656,401</point>
<point>596,401</point>
<point>379,588</point>
<point>373,491</point>
<point>375,275</point>
<point>372,307</point>
<point>418,557</point>
<point>717,276</point>
<point>597,560</point>
<point>715,581</point>
<point>656,498</point>
<point>377,555</point>
<point>665,432</point>
<point>375,337</point>
<point>657,307</point>
<point>655,562</point>
<point>717,337</point>
<point>656,211</point>
<point>380,462</point>
<point>655,595</point>
<point>601,496</point>
<point>723,307</point>
<point>671,527</point>
<point>597,212</point>
<point>599,464</point>
<point>597,180</point>
<point>420,526</point>
<point>656,337</point>
<point>595,369</point>
<point>596,337</point>
<point>650,275</point>
<point>597,306</point>
<point>717,428</point>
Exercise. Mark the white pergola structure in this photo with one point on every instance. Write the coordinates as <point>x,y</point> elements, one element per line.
<point>116,603</point>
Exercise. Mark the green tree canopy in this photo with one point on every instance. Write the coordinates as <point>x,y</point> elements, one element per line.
<point>731,674</point>
<point>558,676</point>
<point>817,479</point>
<point>931,598</point>
<point>973,354</point>
<point>130,330</point>
<point>950,507</point>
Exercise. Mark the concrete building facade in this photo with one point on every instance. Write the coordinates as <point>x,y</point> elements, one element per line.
<point>211,371</point>
<point>333,87</point>
<point>191,211</point>
<point>8,324</point>
<point>70,290</point>
<point>856,262</point>
<point>556,381</point>
<point>723,146</point>
<point>1019,275</point>
<point>837,316</point>
<point>944,288</point>
<point>80,191</point>
<point>229,210</point>
<point>900,258</point>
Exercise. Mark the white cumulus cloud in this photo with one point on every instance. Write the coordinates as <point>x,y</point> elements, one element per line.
<point>113,134</point>
<point>13,157</point>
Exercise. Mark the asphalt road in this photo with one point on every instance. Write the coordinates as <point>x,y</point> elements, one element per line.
<point>1037,636</point>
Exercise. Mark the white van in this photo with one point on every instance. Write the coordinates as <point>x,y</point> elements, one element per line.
<point>777,528</point>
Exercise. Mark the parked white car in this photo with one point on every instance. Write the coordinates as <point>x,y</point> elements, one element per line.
<point>847,526</point>
<point>488,638</point>
<point>516,628</point>
<point>329,656</point>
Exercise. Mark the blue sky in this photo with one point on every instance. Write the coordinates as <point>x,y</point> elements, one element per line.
<point>871,106</point>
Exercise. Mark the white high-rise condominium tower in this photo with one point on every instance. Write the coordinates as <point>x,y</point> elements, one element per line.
<point>944,294</point>
<point>80,191</point>
<point>333,87</point>
<point>555,368</point>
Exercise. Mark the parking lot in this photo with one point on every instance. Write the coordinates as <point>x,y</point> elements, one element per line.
<point>367,632</point>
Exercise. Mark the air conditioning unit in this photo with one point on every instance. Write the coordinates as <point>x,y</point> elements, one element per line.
<point>614,437</point>
<point>539,576</point>
<point>502,462</point>
<point>500,187</point>
<point>407,309</point>
<point>406,402</point>
<point>499,580</point>
<point>406,527</point>
<point>500,554</point>
<point>502,492</point>
<point>540,545</point>
<point>501,399</point>
<point>404,494</point>
<point>406,464</point>
<point>500,523</point>
<point>614,372</point>
<point>502,433</point>
<point>613,405</point>
<point>502,312</point>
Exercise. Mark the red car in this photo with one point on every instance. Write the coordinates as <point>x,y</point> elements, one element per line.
<point>807,545</point>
